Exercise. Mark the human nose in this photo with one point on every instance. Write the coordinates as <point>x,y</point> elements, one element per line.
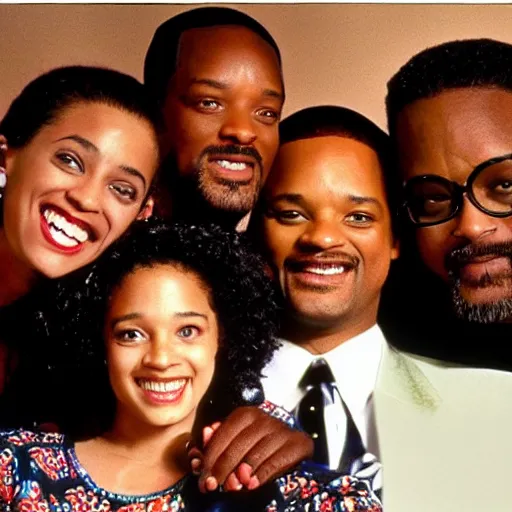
<point>323,234</point>
<point>85,196</point>
<point>160,353</point>
<point>472,224</point>
<point>238,127</point>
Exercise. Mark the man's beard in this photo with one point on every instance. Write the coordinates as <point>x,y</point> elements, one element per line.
<point>229,195</point>
<point>483,313</point>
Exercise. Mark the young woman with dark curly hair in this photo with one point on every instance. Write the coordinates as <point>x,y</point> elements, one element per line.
<point>163,334</point>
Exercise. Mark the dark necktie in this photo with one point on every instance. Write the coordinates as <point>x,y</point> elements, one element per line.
<point>321,391</point>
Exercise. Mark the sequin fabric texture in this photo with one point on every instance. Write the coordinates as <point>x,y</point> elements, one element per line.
<point>39,472</point>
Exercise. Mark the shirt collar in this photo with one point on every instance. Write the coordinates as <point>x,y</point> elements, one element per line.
<point>354,363</point>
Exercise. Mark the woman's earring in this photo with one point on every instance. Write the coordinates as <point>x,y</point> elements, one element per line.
<point>3,173</point>
<point>3,181</point>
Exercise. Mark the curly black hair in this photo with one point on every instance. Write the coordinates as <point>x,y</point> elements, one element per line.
<point>454,64</point>
<point>71,321</point>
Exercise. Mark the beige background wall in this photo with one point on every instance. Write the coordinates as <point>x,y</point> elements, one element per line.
<point>340,54</point>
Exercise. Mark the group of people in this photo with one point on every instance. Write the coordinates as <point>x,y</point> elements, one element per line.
<point>205,307</point>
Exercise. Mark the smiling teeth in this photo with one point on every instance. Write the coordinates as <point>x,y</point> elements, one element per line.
<point>162,387</point>
<point>64,232</point>
<point>232,166</point>
<point>326,271</point>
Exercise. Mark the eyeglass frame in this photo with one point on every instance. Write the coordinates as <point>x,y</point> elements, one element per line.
<point>459,191</point>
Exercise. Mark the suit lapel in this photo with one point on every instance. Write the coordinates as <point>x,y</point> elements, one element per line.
<point>401,378</point>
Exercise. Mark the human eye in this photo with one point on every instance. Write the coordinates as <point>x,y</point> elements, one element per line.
<point>288,216</point>
<point>504,187</point>
<point>360,218</point>
<point>70,161</point>
<point>189,332</point>
<point>268,115</point>
<point>207,105</point>
<point>124,191</point>
<point>129,336</point>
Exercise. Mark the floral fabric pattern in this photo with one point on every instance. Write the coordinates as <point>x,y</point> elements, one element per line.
<point>39,472</point>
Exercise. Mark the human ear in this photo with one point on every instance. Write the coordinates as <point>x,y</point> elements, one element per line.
<point>147,209</point>
<point>395,249</point>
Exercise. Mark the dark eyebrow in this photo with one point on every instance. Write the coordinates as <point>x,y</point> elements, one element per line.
<point>186,314</point>
<point>222,85</point>
<point>292,198</point>
<point>134,172</point>
<point>89,146</point>
<point>86,144</point>
<point>273,94</point>
<point>365,199</point>
<point>210,82</point>
<point>123,318</point>
<point>134,316</point>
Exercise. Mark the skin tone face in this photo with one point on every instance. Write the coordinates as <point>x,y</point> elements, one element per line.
<point>449,135</point>
<point>222,114</point>
<point>328,232</point>
<point>76,187</point>
<point>161,336</point>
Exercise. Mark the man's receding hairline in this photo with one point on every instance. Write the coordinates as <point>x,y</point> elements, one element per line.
<point>222,27</point>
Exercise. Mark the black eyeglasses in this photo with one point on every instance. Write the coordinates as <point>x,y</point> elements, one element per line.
<point>431,199</point>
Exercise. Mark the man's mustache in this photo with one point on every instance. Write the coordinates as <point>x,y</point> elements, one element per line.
<point>461,256</point>
<point>233,149</point>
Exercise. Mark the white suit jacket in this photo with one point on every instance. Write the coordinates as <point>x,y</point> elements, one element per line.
<point>445,435</point>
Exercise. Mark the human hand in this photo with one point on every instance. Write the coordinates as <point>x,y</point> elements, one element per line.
<point>248,449</point>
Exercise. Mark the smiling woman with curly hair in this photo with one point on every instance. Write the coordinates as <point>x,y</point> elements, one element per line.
<point>163,334</point>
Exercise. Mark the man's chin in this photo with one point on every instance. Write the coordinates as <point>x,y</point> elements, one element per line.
<point>484,305</point>
<point>236,200</point>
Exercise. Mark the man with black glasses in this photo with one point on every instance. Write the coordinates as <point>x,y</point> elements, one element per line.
<point>447,424</point>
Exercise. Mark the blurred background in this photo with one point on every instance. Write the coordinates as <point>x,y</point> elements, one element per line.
<point>332,53</point>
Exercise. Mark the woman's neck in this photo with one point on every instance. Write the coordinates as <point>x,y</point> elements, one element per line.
<point>155,445</point>
<point>134,458</point>
<point>16,277</point>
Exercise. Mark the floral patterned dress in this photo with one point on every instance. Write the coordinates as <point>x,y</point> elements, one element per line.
<point>39,472</point>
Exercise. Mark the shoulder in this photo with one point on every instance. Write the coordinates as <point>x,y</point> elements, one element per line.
<point>326,490</point>
<point>19,438</point>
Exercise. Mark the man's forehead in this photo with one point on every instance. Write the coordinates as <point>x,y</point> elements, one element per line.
<point>323,162</point>
<point>472,124</point>
<point>200,44</point>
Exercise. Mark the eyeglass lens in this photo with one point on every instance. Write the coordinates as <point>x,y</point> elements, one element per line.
<point>433,199</point>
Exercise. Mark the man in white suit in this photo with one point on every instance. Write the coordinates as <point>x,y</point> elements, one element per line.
<point>444,428</point>
<point>327,230</point>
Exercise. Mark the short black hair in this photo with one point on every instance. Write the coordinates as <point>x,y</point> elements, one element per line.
<point>45,97</point>
<point>454,64</point>
<point>327,120</point>
<point>162,55</point>
<point>71,319</point>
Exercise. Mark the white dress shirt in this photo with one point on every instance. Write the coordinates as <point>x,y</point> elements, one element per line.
<point>354,364</point>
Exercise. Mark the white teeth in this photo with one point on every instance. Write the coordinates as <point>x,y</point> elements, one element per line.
<point>162,387</point>
<point>326,271</point>
<point>67,229</point>
<point>232,166</point>
<point>62,239</point>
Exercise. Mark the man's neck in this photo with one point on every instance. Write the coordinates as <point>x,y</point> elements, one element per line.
<point>16,277</point>
<point>193,212</point>
<point>321,339</point>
